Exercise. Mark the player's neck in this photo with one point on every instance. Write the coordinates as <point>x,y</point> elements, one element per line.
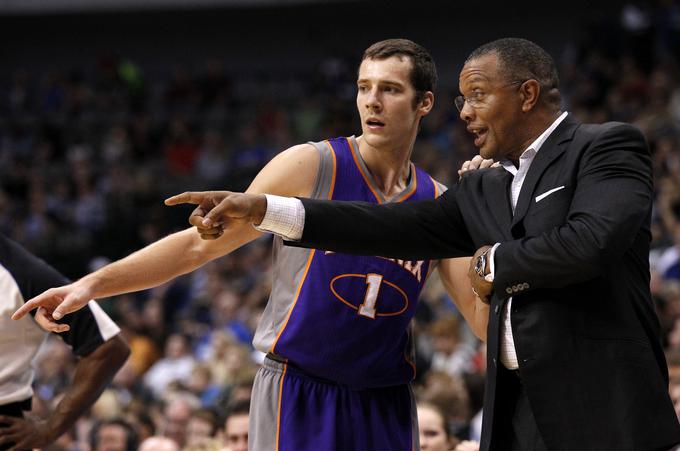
<point>389,167</point>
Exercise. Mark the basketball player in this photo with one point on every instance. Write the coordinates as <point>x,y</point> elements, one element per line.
<point>336,327</point>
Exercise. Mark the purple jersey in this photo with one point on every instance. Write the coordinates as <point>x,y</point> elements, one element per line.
<point>347,317</point>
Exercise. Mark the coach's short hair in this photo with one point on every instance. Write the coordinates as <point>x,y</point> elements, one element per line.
<point>423,70</point>
<point>521,59</point>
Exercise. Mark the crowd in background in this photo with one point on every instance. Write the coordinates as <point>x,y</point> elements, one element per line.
<point>88,154</point>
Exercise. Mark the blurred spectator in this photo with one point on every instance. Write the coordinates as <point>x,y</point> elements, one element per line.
<point>467,445</point>
<point>668,263</point>
<point>176,415</point>
<point>113,435</point>
<point>157,443</point>
<point>236,426</point>
<point>450,354</point>
<point>448,394</point>
<point>433,429</point>
<point>176,365</point>
<point>203,425</point>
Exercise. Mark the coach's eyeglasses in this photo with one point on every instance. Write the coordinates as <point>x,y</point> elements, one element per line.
<point>476,99</point>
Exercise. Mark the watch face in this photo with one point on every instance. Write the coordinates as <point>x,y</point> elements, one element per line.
<point>479,265</point>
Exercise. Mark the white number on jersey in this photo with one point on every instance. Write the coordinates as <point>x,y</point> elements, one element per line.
<point>368,307</point>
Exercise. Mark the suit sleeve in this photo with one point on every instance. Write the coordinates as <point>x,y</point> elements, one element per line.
<point>429,229</point>
<point>612,201</point>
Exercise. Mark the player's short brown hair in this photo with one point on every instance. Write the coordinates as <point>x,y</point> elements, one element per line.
<point>423,70</point>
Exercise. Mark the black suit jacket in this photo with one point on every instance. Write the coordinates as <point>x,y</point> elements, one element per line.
<point>574,256</point>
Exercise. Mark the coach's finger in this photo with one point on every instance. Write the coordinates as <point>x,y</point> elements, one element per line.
<point>187,197</point>
<point>224,209</point>
<point>196,217</point>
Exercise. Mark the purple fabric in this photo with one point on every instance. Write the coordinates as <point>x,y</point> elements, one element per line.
<point>326,336</point>
<point>319,416</point>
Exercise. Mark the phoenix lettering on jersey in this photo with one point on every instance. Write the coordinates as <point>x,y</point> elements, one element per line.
<point>414,267</point>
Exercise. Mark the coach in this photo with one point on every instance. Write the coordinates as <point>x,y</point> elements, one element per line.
<point>562,232</point>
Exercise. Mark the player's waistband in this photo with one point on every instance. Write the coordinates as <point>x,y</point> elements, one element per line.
<point>273,362</point>
<point>278,364</point>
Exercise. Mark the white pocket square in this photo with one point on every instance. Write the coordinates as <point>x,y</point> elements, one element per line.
<point>540,197</point>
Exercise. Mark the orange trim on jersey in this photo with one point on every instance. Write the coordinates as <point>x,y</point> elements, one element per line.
<point>363,174</point>
<point>335,170</point>
<point>406,357</point>
<point>436,187</point>
<point>278,416</point>
<point>413,365</point>
<point>297,296</point>
<point>414,186</point>
<point>363,276</point>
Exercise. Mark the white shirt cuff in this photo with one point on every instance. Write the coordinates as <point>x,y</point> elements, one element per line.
<point>492,263</point>
<point>285,217</point>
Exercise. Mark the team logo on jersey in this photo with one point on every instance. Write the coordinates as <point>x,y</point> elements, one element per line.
<point>414,267</point>
<point>381,297</point>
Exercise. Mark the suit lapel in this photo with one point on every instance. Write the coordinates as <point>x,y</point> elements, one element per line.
<point>496,186</point>
<point>552,148</point>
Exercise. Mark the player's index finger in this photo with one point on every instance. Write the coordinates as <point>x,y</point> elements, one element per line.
<point>27,307</point>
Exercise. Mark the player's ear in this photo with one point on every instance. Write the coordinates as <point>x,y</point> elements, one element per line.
<point>425,105</point>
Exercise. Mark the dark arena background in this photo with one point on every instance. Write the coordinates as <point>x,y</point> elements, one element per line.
<point>109,107</point>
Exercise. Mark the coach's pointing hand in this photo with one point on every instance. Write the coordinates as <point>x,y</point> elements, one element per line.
<point>216,208</point>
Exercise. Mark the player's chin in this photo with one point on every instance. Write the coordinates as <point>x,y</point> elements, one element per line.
<point>377,138</point>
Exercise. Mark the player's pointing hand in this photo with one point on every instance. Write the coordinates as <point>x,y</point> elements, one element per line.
<point>59,301</point>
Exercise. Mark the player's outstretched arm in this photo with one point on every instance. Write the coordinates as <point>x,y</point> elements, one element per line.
<point>454,274</point>
<point>93,373</point>
<point>291,173</point>
<point>151,266</point>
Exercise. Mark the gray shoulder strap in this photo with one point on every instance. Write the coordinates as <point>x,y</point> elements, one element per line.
<point>324,177</point>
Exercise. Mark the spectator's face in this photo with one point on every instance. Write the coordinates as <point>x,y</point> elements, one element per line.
<point>111,437</point>
<point>158,444</point>
<point>177,416</point>
<point>445,344</point>
<point>492,110</point>
<point>385,99</point>
<point>236,432</point>
<point>431,430</point>
<point>198,430</point>
<point>175,347</point>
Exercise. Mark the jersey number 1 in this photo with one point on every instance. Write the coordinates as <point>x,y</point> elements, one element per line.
<point>368,307</point>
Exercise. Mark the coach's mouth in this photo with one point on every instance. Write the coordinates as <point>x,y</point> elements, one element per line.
<point>480,135</point>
